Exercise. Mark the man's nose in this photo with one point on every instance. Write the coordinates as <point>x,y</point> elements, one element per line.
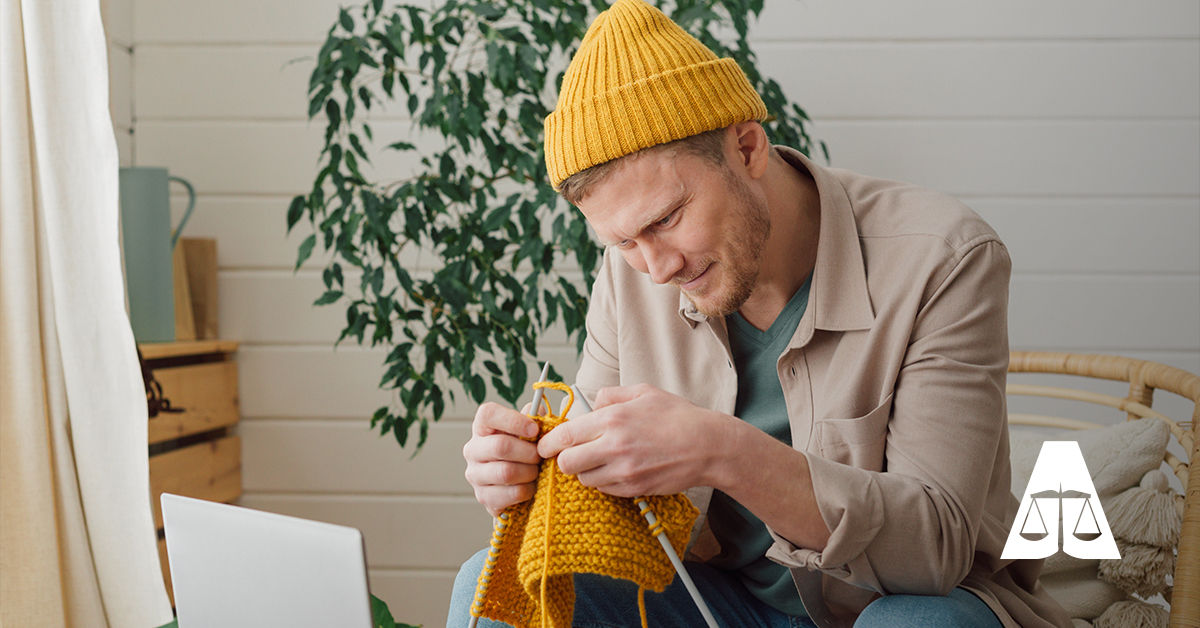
<point>662,262</point>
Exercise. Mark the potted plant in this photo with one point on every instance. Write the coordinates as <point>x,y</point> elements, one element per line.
<point>479,77</point>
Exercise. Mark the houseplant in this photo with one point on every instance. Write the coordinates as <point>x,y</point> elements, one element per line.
<point>477,79</point>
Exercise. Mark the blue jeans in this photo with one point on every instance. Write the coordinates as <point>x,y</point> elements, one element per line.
<point>602,602</point>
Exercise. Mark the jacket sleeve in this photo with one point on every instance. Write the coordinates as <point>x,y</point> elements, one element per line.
<point>912,526</point>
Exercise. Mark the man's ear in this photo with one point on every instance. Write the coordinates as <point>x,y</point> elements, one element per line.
<point>752,150</point>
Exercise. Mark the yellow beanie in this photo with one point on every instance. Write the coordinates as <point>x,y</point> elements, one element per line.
<point>639,80</point>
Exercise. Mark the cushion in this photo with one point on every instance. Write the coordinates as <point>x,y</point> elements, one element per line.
<point>1117,456</point>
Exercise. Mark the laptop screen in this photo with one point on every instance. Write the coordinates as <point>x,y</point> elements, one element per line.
<point>233,567</point>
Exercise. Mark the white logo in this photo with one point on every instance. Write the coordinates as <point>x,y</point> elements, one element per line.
<point>1060,498</point>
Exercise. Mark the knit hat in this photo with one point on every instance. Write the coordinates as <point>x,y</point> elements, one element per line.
<point>639,80</point>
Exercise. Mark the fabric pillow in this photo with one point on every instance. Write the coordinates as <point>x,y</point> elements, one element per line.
<point>1117,456</point>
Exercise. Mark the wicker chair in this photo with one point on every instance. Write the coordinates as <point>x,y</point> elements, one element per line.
<point>1143,377</point>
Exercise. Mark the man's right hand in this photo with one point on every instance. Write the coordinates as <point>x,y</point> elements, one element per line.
<point>501,467</point>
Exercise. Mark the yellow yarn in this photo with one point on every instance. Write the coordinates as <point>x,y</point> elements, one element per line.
<point>639,80</point>
<point>568,528</point>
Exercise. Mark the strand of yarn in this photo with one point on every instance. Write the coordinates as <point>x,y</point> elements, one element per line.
<point>546,541</point>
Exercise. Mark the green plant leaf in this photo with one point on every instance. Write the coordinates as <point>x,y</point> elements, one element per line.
<point>329,297</point>
<point>295,211</point>
<point>305,251</point>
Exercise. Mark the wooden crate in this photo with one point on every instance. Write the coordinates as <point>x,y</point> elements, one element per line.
<point>195,452</point>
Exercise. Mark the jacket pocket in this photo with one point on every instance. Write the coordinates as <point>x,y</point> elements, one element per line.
<point>857,442</point>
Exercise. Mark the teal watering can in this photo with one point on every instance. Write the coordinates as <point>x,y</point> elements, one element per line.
<point>148,243</point>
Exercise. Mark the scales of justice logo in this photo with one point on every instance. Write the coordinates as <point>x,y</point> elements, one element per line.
<point>1060,498</point>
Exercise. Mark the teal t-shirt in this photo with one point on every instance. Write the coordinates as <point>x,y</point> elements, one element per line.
<point>743,536</point>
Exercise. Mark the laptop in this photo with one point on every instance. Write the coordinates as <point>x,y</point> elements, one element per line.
<point>234,567</point>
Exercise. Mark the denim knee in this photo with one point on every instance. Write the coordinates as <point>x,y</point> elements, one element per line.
<point>961,609</point>
<point>463,595</point>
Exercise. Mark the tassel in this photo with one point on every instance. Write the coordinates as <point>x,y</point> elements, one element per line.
<point>1142,569</point>
<point>1146,513</point>
<point>1133,614</point>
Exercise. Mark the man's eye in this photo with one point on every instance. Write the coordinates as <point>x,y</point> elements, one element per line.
<point>624,244</point>
<point>666,221</point>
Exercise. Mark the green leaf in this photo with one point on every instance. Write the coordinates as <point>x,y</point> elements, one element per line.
<point>478,389</point>
<point>354,143</point>
<point>487,11</point>
<point>295,211</point>
<point>380,614</point>
<point>306,248</point>
<point>346,21</point>
<point>333,113</point>
<point>329,297</point>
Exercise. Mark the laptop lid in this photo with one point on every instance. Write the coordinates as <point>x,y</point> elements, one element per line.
<point>234,567</point>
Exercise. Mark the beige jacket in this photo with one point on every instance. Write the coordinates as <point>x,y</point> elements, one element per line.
<point>894,382</point>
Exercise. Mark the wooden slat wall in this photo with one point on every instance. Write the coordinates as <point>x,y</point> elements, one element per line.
<point>1073,127</point>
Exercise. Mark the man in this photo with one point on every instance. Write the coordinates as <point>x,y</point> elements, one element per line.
<point>817,357</point>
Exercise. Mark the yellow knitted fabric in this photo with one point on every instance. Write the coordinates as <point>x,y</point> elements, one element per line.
<point>639,80</point>
<point>568,528</point>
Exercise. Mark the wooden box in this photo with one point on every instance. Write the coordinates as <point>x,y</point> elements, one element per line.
<point>195,452</point>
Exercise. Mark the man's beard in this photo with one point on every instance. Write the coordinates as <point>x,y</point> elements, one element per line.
<point>748,240</point>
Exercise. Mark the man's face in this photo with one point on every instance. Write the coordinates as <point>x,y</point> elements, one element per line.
<point>684,221</point>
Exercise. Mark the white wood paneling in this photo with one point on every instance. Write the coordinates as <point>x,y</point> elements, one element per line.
<point>320,456</point>
<point>414,597</point>
<point>259,157</point>
<point>976,20</point>
<point>251,231</point>
<point>424,532</point>
<point>1096,235</point>
<point>235,21</point>
<point>204,82</point>
<point>1025,158</point>
<point>1115,314</point>
<point>960,79</point>
<point>231,82</point>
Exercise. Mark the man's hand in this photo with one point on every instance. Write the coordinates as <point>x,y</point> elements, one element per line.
<point>640,440</point>
<point>501,467</point>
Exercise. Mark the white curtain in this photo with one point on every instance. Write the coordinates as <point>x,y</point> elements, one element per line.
<point>77,541</point>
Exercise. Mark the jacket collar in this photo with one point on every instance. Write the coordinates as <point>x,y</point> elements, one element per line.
<point>839,299</point>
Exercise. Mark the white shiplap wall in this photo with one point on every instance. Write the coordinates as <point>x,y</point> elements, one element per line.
<point>1073,127</point>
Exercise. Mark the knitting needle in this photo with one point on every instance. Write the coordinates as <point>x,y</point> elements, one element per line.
<point>663,540</point>
<point>538,395</point>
